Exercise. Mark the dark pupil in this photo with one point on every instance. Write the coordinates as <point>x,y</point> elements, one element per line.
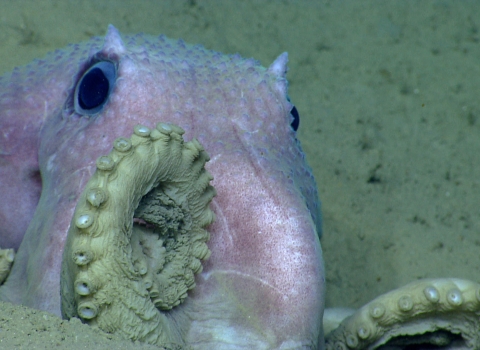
<point>93,89</point>
<point>296,119</point>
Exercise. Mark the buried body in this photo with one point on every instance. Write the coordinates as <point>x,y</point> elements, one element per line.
<point>125,238</point>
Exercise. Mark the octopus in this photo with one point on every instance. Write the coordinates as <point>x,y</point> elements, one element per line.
<point>165,197</point>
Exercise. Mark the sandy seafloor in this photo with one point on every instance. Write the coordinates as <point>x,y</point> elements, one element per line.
<point>388,93</point>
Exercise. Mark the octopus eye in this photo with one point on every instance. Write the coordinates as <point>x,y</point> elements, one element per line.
<point>296,119</point>
<point>94,88</point>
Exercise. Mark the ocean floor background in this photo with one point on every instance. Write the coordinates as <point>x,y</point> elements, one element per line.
<point>388,94</point>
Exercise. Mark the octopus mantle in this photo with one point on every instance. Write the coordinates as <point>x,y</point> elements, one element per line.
<point>125,238</point>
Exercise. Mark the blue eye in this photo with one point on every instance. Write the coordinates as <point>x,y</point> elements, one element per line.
<point>296,119</point>
<point>94,88</point>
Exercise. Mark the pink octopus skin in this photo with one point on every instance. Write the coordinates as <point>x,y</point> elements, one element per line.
<point>263,286</point>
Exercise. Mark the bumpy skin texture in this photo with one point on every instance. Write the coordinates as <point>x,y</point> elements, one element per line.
<point>263,285</point>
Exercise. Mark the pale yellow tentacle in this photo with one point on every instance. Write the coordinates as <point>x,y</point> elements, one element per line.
<point>6,260</point>
<point>439,312</point>
<point>117,275</point>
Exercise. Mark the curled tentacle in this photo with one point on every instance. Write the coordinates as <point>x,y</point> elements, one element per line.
<point>138,235</point>
<point>444,313</point>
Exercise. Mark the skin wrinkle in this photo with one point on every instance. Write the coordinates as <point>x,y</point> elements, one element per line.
<point>233,272</point>
<point>259,297</point>
<point>327,100</point>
